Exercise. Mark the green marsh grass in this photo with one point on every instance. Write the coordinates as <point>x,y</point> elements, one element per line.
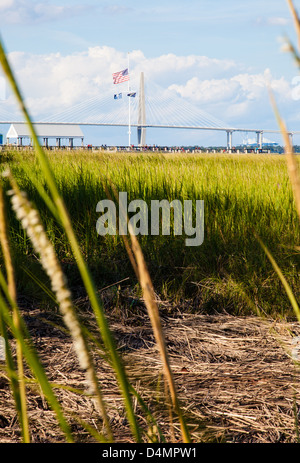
<point>240,193</point>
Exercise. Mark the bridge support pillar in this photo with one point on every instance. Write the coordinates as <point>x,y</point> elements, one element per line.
<point>291,139</point>
<point>259,139</point>
<point>141,130</point>
<point>229,139</point>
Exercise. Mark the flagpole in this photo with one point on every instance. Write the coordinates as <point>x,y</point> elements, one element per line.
<point>129,122</point>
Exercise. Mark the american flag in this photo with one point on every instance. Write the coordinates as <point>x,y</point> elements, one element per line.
<point>120,76</point>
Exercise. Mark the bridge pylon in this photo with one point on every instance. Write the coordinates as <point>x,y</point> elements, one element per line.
<point>229,139</point>
<point>141,130</point>
<point>259,138</point>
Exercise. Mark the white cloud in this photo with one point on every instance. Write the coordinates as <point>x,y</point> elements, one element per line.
<point>278,21</point>
<point>207,91</point>
<point>116,9</point>
<point>52,82</point>
<point>178,67</point>
<point>272,21</point>
<point>68,79</point>
<point>30,12</point>
<point>5,4</point>
<point>240,96</point>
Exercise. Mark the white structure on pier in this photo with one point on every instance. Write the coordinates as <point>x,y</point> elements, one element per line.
<point>20,131</point>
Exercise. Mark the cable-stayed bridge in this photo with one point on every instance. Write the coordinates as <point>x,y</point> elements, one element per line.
<point>158,108</point>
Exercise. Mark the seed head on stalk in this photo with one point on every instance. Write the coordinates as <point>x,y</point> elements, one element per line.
<point>31,222</point>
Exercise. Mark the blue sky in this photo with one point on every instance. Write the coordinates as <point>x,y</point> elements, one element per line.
<point>216,55</point>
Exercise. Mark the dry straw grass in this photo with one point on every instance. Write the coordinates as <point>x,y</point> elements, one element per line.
<point>235,377</point>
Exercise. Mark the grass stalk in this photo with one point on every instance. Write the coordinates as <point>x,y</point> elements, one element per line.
<point>282,278</point>
<point>151,304</point>
<point>293,171</point>
<point>138,262</point>
<point>84,271</point>
<point>11,371</point>
<point>31,222</point>
<point>296,19</point>
<point>21,334</point>
<point>139,265</point>
<point>292,164</point>
<point>4,240</point>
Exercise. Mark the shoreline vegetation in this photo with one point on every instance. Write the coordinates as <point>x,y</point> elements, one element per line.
<point>240,194</point>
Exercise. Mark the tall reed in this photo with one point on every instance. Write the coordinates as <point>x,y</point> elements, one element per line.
<point>32,223</point>
<point>292,165</point>
<point>21,389</point>
<point>140,267</point>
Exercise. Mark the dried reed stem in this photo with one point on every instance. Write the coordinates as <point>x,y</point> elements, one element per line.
<point>137,260</point>
<point>150,301</point>
<point>292,164</point>
<point>296,20</point>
